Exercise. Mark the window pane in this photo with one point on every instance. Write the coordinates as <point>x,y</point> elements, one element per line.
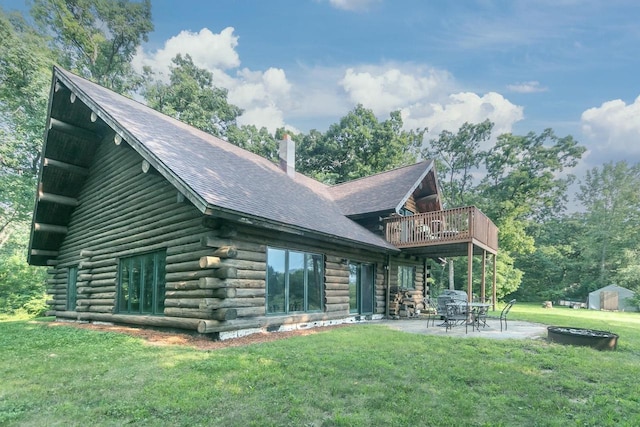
<point>147,281</point>
<point>275,281</point>
<point>296,281</point>
<point>406,277</point>
<point>123,304</point>
<point>367,286</point>
<point>134,285</point>
<point>354,273</point>
<point>160,283</point>
<point>141,284</point>
<point>314,282</point>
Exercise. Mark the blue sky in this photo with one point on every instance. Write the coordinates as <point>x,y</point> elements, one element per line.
<point>569,65</point>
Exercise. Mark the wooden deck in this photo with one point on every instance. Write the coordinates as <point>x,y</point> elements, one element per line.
<point>444,233</point>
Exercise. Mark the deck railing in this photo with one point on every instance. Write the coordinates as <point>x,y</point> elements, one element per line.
<point>448,226</point>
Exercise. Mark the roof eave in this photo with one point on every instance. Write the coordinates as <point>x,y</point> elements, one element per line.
<point>127,136</point>
<point>253,220</point>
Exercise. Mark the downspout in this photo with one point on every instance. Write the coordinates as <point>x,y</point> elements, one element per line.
<point>387,279</point>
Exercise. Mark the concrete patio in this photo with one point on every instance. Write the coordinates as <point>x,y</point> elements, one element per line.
<point>516,329</point>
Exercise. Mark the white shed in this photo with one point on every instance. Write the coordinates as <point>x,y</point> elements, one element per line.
<point>612,297</point>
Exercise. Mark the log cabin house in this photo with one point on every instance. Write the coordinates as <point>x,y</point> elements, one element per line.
<point>144,220</point>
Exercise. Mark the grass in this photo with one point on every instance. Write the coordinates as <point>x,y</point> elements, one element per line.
<point>363,375</point>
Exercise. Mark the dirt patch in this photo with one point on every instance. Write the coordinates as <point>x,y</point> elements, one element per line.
<point>199,341</point>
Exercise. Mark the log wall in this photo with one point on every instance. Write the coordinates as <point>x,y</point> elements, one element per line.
<point>215,269</point>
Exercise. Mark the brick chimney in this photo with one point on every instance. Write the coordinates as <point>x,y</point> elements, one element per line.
<point>287,156</point>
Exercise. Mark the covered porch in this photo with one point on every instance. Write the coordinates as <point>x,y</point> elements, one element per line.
<point>449,233</point>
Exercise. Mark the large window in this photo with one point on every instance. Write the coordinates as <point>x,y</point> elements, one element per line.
<point>406,277</point>
<point>141,284</point>
<point>72,281</point>
<point>294,281</point>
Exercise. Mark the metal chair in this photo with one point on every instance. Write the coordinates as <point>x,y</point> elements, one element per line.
<point>505,312</point>
<point>457,314</point>
<point>432,310</point>
<point>480,317</point>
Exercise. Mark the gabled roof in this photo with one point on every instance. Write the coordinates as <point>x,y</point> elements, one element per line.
<point>219,177</point>
<point>382,192</point>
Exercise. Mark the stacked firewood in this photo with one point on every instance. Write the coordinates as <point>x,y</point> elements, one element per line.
<point>405,303</point>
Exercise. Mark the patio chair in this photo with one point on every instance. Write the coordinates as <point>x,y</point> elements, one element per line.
<point>457,314</point>
<point>504,313</point>
<point>433,313</point>
<point>480,317</point>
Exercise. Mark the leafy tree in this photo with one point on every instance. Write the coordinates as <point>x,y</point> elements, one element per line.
<point>258,141</point>
<point>25,76</point>
<point>552,270</point>
<point>612,201</point>
<point>457,156</point>
<point>523,186</point>
<point>22,287</point>
<point>523,175</point>
<point>97,38</point>
<point>191,98</point>
<point>359,145</point>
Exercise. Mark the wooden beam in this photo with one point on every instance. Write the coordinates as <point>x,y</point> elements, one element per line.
<point>494,292</point>
<point>56,198</point>
<point>470,271</point>
<point>483,279</point>
<point>78,170</point>
<point>69,129</point>
<point>42,252</point>
<point>50,228</point>
<point>147,168</point>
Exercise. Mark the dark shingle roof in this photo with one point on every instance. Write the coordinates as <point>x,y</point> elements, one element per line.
<point>383,192</point>
<point>217,175</point>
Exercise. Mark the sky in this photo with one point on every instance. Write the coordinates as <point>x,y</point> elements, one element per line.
<point>527,65</point>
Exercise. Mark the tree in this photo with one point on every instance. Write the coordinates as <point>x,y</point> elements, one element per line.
<point>22,287</point>
<point>359,145</point>
<point>612,201</point>
<point>191,98</point>
<point>552,270</point>
<point>523,175</point>
<point>258,141</point>
<point>97,38</point>
<point>457,155</point>
<point>25,76</point>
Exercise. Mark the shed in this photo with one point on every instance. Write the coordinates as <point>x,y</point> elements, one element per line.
<point>612,297</point>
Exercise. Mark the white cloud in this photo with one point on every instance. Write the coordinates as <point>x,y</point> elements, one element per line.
<point>424,96</point>
<point>208,50</point>
<point>353,5</point>
<point>614,127</point>
<point>385,90</point>
<point>464,107</point>
<point>261,95</point>
<point>427,97</point>
<point>527,87</point>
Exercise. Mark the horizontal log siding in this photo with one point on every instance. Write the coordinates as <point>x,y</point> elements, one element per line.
<point>124,212</point>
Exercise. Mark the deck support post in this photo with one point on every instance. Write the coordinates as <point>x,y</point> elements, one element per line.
<point>494,282</point>
<point>470,272</point>
<point>484,277</point>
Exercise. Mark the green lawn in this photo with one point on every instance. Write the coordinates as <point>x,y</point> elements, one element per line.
<point>362,375</point>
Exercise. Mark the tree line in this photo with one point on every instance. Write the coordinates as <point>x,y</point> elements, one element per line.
<point>521,182</point>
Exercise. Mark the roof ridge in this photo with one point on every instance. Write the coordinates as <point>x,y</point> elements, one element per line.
<point>425,161</point>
